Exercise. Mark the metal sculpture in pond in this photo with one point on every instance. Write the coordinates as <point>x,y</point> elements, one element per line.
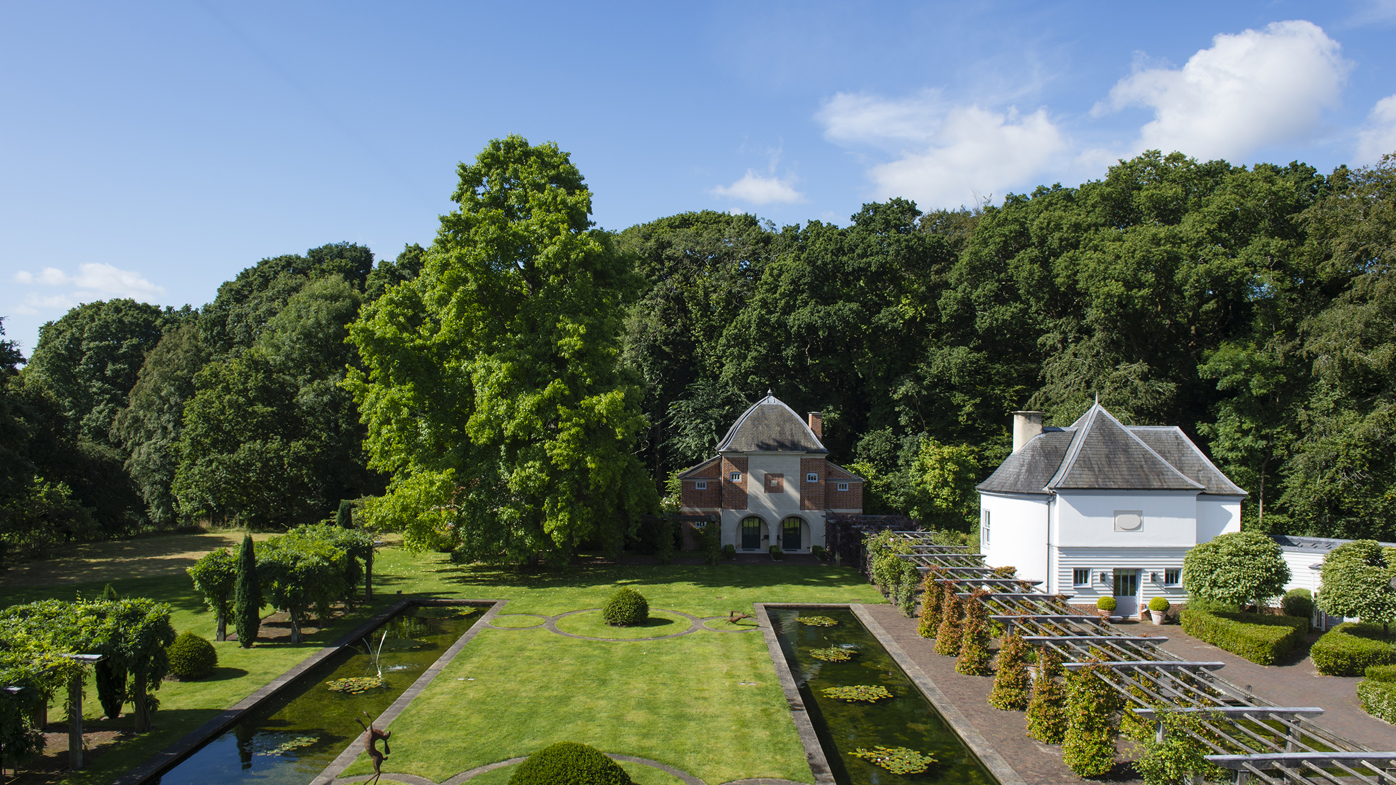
<point>371,738</point>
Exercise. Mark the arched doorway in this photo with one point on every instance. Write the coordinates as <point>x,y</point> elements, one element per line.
<point>750,532</point>
<point>794,534</point>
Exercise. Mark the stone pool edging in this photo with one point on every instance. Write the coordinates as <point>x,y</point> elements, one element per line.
<point>158,763</point>
<point>355,748</point>
<point>987,755</point>
<point>804,727</point>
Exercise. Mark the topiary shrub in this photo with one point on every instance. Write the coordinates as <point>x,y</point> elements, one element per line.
<point>626,608</point>
<point>974,642</point>
<point>191,657</point>
<point>932,598</point>
<point>1089,745</point>
<point>569,763</point>
<point>948,633</point>
<point>1160,604</point>
<point>1298,602</point>
<point>1046,711</point>
<point>729,551</point>
<point>1106,604</point>
<point>1012,687</point>
<point>1350,648</point>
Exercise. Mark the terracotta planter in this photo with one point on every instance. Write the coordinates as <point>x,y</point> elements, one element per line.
<point>1158,616</point>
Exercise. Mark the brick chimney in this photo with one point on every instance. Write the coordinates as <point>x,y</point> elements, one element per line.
<point>816,424</point>
<point>1026,426</point>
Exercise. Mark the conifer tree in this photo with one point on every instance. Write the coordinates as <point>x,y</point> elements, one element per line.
<point>948,634</point>
<point>247,596</point>
<point>974,642</point>
<point>1046,712</point>
<point>932,598</point>
<point>1012,687</point>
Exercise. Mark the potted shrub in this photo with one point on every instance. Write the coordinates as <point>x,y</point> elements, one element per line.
<point>1106,605</point>
<point>1158,609</point>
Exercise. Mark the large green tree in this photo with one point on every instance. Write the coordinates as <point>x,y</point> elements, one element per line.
<point>494,393</point>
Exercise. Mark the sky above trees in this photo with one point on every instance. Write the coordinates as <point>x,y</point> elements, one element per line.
<point>153,151</point>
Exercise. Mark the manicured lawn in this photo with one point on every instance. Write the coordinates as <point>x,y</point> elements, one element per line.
<point>678,701</point>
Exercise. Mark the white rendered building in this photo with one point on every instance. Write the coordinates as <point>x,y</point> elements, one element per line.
<point>1101,509</point>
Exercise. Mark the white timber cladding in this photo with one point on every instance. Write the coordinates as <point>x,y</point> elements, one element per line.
<point>1087,519</point>
<point>1018,536</point>
<point>1301,574</point>
<point>1149,561</point>
<point>1217,515</point>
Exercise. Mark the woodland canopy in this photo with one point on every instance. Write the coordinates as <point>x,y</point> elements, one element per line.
<point>529,382</point>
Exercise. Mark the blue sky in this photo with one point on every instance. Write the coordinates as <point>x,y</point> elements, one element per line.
<point>153,150</point>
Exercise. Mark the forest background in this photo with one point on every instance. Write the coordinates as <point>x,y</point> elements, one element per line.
<point>1253,307</point>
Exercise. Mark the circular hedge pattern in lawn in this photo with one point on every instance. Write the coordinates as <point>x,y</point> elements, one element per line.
<point>590,624</point>
<point>518,620</point>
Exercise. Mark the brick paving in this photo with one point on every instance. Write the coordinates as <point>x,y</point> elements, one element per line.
<point>1006,731</point>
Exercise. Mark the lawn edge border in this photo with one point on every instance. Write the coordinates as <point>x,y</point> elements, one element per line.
<point>160,762</point>
<point>814,751</point>
<point>355,748</point>
<point>987,755</point>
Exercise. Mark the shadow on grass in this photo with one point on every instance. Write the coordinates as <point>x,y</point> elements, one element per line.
<point>223,674</point>
<point>722,576</point>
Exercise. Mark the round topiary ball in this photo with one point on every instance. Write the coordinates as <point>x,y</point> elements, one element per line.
<point>569,763</point>
<point>1106,603</point>
<point>626,608</point>
<point>191,657</point>
<point>1159,604</point>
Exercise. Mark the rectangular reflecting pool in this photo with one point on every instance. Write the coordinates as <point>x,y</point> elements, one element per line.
<point>292,737</point>
<point>906,720</point>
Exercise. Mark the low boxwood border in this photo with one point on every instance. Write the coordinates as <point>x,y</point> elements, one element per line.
<point>1378,698</point>
<point>1262,639</point>
<point>1352,647</point>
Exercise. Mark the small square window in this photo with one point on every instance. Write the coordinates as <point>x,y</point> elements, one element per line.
<point>1081,576</point>
<point>811,477</point>
<point>843,486</point>
<point>701,485</point>
<point>1172,577</point>
<point>736,477</point>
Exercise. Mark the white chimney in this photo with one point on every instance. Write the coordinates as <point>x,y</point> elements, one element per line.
<point>816,424</point>
<point>1026,425</point>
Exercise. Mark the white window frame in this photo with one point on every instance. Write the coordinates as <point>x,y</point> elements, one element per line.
<point>735,477</point>
<point>1076,573</point>
<point>700,485</point>
<point>1177,575</point>
<point>843,486</point>
<point>984,531</point>
<point>811,477</point>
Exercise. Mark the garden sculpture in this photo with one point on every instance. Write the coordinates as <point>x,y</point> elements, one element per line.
<point>736,616</point>
<point>371,737</point>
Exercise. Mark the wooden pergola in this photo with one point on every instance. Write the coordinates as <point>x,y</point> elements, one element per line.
<point>1241,731</point>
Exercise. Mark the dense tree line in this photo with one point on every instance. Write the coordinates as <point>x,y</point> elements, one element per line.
<point>529,381</point>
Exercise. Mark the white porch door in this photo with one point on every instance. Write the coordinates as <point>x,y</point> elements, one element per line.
<point>1126,593</point>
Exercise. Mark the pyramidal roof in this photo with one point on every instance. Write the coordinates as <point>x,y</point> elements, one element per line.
<point>770,426</point>
<point>1097,452</point>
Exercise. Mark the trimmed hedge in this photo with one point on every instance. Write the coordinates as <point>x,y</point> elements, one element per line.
<point>626,608</point>
<point>191,657</point>
<point>1378,698</point>
<point>1386,673</point>
<point>1260,638</point>
<point>1298,602</point>
<point>1352,647</point>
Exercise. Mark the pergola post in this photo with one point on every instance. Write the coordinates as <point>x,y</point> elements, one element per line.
<point>75,683</point>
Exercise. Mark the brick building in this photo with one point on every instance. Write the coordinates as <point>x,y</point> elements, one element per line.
<point>771,482</point>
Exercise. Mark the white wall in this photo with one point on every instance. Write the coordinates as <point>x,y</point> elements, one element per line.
<point>1017,533</point>
<point>1097,560</point>
<point>1217,515</point>
<point>1087,519</point>
<point>1300,576</point>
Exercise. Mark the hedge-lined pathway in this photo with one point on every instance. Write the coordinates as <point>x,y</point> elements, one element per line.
<point>1298,684</point>
<point>695,624</point>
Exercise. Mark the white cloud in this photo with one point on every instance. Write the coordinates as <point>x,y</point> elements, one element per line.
<point>948,155</point>
<point>758,189</point>
<point>93,281</point>
<point>1379,136</point>
<point>1248,90</point>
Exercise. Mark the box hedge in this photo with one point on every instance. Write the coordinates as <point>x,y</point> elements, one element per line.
<point>1386,673</point>
<point>1350,648</point>
<point>1262,639</point>
<point>1378,698</point>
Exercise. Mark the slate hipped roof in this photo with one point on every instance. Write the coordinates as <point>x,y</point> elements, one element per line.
<point>1097,452</point>
<point>770,426</point>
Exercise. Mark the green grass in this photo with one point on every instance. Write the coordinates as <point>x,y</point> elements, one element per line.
<point>675,701</point>
<point>591,624</point>
<point>516,621</point>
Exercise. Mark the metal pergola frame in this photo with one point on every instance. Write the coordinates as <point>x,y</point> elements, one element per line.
<point>1242,732</point>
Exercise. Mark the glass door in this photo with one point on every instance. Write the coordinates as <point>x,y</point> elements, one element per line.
<point>1126,593</point>
<point>751,534</point>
